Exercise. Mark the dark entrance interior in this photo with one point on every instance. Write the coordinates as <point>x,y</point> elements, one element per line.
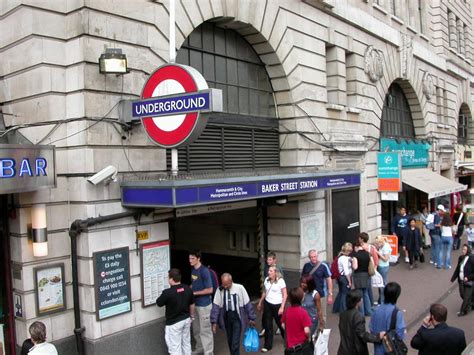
<point>227,240</point>
<point>6,316</point>
<point>345,218</point>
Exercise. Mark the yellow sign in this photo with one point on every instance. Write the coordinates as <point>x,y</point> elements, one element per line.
<point>142,235</point>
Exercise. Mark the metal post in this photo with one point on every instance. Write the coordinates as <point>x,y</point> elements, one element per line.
<point>172,42</point>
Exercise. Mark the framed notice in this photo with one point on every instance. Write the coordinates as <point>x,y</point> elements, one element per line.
<point>313,231</point>
<point>112,282</point>
<point>155,263</point>
<point>50,289</point>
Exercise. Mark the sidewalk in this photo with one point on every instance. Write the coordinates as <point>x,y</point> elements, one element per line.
<point>420,288</point>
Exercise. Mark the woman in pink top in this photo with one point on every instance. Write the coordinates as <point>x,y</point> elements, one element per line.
<point>297,324</point>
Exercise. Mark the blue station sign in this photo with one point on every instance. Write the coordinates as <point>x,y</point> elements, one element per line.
<point>207,193</point>
<point>414,153</point>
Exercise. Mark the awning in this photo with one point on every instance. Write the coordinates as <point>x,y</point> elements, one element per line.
<point>211,188</point>
<point>432,183</point>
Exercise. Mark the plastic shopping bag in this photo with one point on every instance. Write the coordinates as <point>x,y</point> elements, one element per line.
<point>377,280</point>
<point>322,343</point>
<point>251,341</point>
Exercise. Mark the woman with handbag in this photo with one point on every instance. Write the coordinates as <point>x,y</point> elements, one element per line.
<point>458,228</point>
<point>297,325</point>
<point>360,276</point>
<point>384,250</point>
<point>464,274</point>
<point>412,243</point>
<point>272,302</point>
<point>344,281</point>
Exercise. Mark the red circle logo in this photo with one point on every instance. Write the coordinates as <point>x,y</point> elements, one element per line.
<point>178,129</point>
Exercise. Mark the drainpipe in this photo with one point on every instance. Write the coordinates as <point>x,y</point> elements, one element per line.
<point>76,228</point>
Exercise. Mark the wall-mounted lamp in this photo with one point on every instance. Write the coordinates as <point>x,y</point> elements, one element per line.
<point>39,231</point>
<point>113,61</point>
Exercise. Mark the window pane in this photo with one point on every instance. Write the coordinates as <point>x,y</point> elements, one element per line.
<point>231,49</point>
<point>207,37</point>
<point>219,36</point>
<point>208,67</point>
<point>232,72</point>
<point>243,74</point>
<point>183,56</point>
<point>232,103</point>
<point>196,39</point>
<point>196,60</point>
<point>221,70</point>
<point>243,101</point>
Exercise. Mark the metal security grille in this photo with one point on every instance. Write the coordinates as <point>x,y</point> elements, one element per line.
<point>396,114</point>
<point>245,135</point>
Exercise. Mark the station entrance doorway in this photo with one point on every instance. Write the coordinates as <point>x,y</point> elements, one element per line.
<point>228,241</point>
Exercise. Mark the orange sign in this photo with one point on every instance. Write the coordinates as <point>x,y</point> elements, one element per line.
<point>393,185</point>
<point>393,241</point>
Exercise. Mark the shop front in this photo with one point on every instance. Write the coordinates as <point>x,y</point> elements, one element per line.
<point>23,169</point>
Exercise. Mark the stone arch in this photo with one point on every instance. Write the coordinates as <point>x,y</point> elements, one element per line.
<point>247,20</point>
<point>414,105</point>
<point>464,118</point>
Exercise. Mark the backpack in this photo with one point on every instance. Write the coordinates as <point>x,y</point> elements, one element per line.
<point>335,268</point>
<point>215,281</point>
<point>392,344</point>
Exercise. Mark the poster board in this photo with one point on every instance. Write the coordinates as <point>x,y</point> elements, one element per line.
<point>112,282</point>
<point>313,231</point>
<point>393,241</point>
<point>50,289</point>
<point>155,263</point>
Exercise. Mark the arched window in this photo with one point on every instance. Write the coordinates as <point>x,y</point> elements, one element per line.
<point>464,129</point>
<point>245,135</point>
<point>396,115</point>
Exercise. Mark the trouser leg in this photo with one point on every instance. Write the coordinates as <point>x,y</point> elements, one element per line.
<point>268,321</point>
<point>204,336</point>
<point>466,303</point>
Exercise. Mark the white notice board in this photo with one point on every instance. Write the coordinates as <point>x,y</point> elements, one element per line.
<point>155,263</point>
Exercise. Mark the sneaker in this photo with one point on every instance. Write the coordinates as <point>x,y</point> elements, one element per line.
<point>461,314</point>
<point>449,267</point>
<point>406,259</point>
<point>262,333</point>
<point>277,331</point>
<point>431,262</point>
<point>264,350</point>
<point>416,264</point>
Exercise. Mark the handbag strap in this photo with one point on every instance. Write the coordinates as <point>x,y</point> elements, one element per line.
<point>313,270</point>
<point>393,321</point>
<point>459,219</point>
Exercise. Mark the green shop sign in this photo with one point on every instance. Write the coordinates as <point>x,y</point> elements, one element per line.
<point>414,153</point>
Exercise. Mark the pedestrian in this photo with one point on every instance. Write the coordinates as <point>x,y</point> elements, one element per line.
<point>384,250</point>
<point>38,337</point>
<point>312,303</point>
<point>399,226</point>
<point>364,242</point>
<point>435,234</point>
<point>272,302</point>
<point>26,346</point>
<point>179,314</point>
<point>458,227</point>
<point>412,243</point>
<point>470,235</point>
<point>344,281</point>
<point>435,337</point>
<point>361,278</point>
<point>382,317</point>
<point>446,241</point>
<point>271,260</point>
<point>424,230</point>
<point>297,325</point>
<point>201,284</point>
<point>233,311</point>
<point>464,274</point>
<point>354,336</point>
<point>322,278</point>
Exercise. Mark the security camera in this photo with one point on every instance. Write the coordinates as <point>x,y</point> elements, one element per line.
<point>107,174</point>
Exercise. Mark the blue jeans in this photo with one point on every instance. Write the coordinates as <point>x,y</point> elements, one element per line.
<point>340,301</point>
<point>436,249</point>
<point>365,307</point>
<point>383,270</point>
<point>446,247</point>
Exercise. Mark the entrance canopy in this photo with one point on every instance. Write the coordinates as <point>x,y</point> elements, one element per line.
<point>196,189</point>
<point>432,183</point>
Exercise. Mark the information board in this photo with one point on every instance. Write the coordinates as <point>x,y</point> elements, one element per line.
<point>112,282</point>
<point>155,263</point>
<point>393,241</point>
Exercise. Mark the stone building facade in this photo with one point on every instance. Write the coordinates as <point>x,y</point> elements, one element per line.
<point>330,63</point>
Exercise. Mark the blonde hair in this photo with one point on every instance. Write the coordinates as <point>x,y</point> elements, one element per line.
<point>380,238</point>
<point>277,274</point>
<point>346,247</point>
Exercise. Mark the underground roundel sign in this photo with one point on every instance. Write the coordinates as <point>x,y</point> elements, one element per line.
<point>173,105</point>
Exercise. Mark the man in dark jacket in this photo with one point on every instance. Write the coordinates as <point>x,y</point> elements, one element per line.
<point>435,337</point>
<point>179,302</point>
<point>232,310</point>
<point>400,226</point>
<point>354,336</point>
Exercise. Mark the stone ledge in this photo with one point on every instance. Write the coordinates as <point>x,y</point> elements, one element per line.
<point>425,37</point>
<point>397,19</point>
<point>353,110</point>
<point>412,29</point>
<point>380,8</point>
<point>335,107</point>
